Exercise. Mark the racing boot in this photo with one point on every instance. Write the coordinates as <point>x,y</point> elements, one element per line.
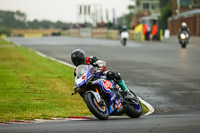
<point>127,94</point>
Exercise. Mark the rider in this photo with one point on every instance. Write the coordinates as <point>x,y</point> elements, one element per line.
<point>184,28</point>
<point>78,57</point>
<point>123,29</point>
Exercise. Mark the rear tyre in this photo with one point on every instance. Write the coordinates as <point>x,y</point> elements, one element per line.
<point>101,112</point>
<point>134,111</point>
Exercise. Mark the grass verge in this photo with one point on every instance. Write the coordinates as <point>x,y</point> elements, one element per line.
<point>3,41</point>
<point>33,87</point>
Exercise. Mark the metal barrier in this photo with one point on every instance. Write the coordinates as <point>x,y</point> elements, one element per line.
<point>99,33</point>
<point>74,32</point>
<point>85,32</point>
<point>138,36</point>
<point>113,34</point>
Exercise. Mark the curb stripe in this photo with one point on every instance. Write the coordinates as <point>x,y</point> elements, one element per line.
<point>80,117</point>
<point>5,123</point>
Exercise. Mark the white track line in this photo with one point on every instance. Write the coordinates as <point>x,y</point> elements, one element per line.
<point>151,109</point>
<point>62,62</point>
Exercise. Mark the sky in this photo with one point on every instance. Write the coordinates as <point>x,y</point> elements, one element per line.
<point>64,10</point>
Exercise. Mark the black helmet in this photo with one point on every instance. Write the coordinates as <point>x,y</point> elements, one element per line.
<point>78,57</point>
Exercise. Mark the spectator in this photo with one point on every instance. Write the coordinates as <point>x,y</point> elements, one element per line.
<point>154,31</point>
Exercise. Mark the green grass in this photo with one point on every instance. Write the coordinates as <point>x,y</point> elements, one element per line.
<point>32,87</point>
<point>3,41</point>
<point>144,109</point>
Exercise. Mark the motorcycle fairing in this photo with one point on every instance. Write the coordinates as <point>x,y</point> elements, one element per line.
<point>113,101</point>
<point>106,85</point>
<point>115,106</point>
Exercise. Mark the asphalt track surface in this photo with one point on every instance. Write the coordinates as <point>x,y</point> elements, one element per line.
<point>164,75</point>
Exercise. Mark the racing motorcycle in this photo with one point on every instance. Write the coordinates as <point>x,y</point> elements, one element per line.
<point>124,37</point>
<point>183,39</point>
<point>104,97</point>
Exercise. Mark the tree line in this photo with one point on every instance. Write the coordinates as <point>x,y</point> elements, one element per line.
<point>18,20</point>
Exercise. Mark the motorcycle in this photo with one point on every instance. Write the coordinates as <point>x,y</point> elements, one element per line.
<point>124,37</point>
<point>183,39</point>
<point>104,97</point>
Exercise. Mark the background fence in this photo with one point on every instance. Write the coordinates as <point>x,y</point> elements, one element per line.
<point>82,32</point>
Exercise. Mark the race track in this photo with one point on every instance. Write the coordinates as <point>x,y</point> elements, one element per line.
<point>162,74</point>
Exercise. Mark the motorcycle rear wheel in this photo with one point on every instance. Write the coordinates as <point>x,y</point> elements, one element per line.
<point>101,112</point>
<point>134,111</point>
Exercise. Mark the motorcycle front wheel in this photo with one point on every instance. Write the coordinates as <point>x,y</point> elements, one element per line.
<point>101,112</point>
<point>183,45</point>
<point>124,42</point>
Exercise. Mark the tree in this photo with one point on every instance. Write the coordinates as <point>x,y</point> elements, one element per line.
<point>163,3</point>
<point>126,19</point>
<point>166,12</point>
<point>131,8</point>
<point>17,20</point>
<point>5,30</point>
<point>12,19</point>
<point>20,16</point>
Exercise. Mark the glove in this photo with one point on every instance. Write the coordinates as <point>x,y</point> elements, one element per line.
<point>101,66</point>
<point>92,60</point>
<point>100,63</point>
<point>101,69</point>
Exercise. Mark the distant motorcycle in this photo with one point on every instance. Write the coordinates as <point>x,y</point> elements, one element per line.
<point>104,97</point>
<point>124,37</point>
<point>183,39</point>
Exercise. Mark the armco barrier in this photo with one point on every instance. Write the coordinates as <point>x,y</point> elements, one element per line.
<point>65,33</point>
<point>113,34</point>
<point>82,32</point>
<point>138,36</point>
<point>85,32</point>
<point>131,34</point>
<point>103,33</point>
<point>34,32</point>
<point>99,33</point>
<point>74,32</point>
<point>33,35</point>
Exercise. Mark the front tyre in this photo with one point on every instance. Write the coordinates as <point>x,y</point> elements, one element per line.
<point>183,45</point>
<point>124,41</point>
<point>101,112</point>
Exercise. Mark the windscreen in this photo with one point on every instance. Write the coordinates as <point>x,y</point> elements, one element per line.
<point>81,70</point>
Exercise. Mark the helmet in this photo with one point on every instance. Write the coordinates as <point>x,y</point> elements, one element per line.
<point>124,27</point>
<point>78,57</point>
<point>183,24</point>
